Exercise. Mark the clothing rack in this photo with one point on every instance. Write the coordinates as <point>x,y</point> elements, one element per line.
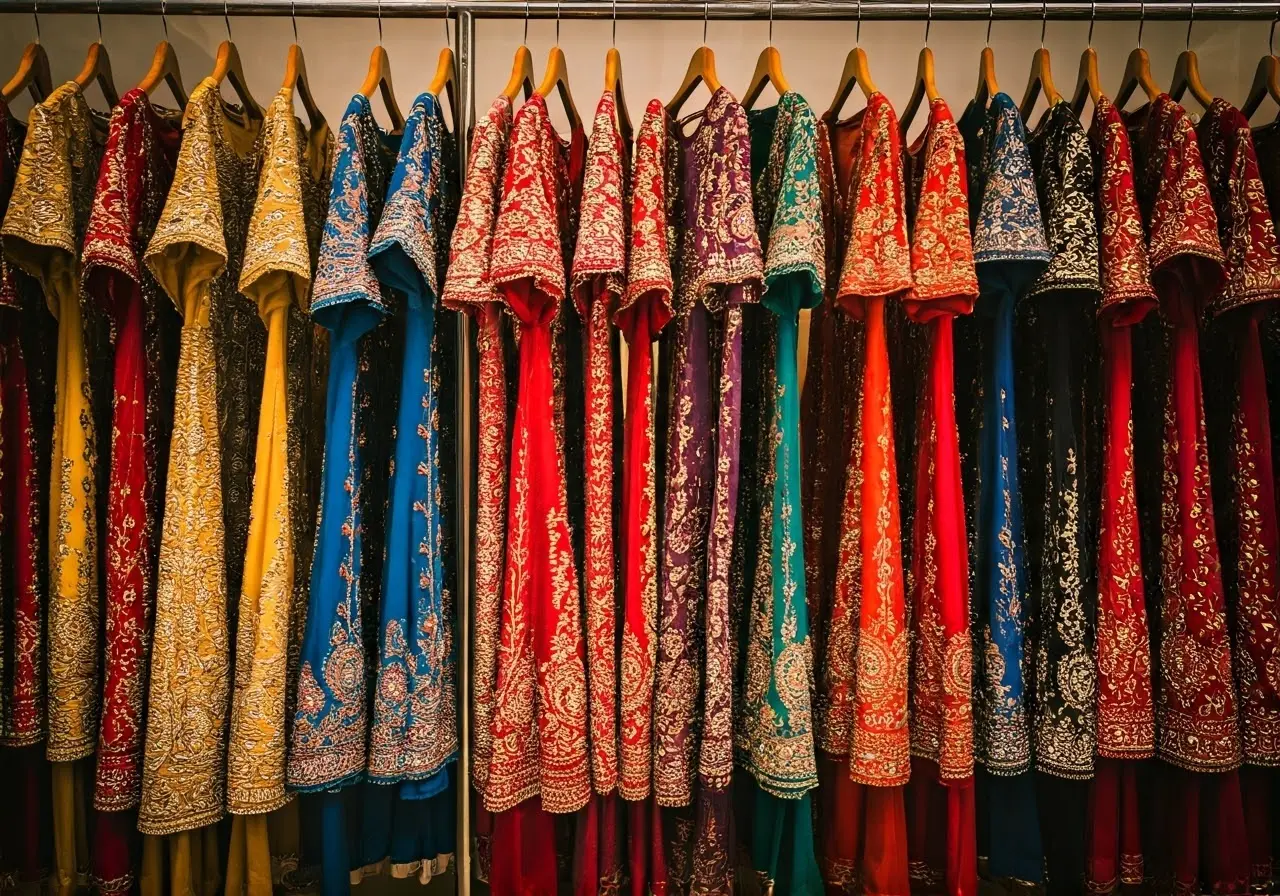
<point>465,14</point>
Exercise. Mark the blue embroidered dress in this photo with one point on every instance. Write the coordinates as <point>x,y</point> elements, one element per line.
<point>414,738</point>
<point>1010,251</point>
<point>775,731</point>
<point>331,725</point>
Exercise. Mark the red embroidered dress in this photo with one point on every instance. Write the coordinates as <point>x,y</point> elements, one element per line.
<point>599,278</point>
<point>467,288</point>
<point>27,337</point>
<point>137,169</point>
<point>646,308</point>
<point>1198,730</point>
<point>942,834</point>
<point>863,726</point>
<point>1126,714</point>
<point>539,726</point>
<point>1247,499</point>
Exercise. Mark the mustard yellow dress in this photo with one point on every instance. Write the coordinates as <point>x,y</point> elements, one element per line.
<point>43,231</point>
<point>284,235</point>
<point>195,255</point>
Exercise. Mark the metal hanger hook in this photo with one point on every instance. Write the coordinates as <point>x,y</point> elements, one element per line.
<point>1271,39</point>
<point>226,17</point>
<point>1044,20</point>
<point>557,23</point>
<point>164,19</point>
<point>857,33</point>
<point>615,24</point>
<point>98,12</point>
<point>706,14</point>
<point>928,22</point>
<point>771,23</point>
<point>448,41</point>
<point>525,42</point>
<point>1191,20</point>
<point>1142,20</point>
<point>1093,13</point>
<point>379,22</point>
<point>35,14</point>
<point>991,17</point>
<point>293,17</point>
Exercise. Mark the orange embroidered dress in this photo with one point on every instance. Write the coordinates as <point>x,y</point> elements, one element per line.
<point>863,712</point>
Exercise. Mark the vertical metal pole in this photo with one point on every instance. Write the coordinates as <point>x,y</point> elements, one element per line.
<point>465,117</point>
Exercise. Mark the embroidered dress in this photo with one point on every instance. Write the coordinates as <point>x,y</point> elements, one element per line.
<point>1126,714</point>
<point>330,726</point>
<point>413,730</point>
<point>467,289</point>
<point>1058,444</point>
<point>43,232</point>
<point>775,728</point>
<point>599,278</point>
<point>195,255</point>
<point>941,831</point>
<point>1242,459</point>
<point>137,170</point>
<point>1010,253</point>
<point>1198,732</point>
<point>28,335</point>
<point>720,268</point>
<point>280,249</point>
<point>863,719</point>
<point>539,761</point>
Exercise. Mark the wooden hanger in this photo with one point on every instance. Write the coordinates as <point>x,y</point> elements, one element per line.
<point>227,67</point>
<point>164,70</point>
<point>446,80</point>
<point>97,68</point>
<point>987,85</point>
<point>1137,73</point>
<point>521,75</point>
<point>702,68</point>
<point>856,73</point>
<point>32,74</point>
<point>924,85</point>
<point>295,78</point>
<point>1186,76</point>
<point>613,84</point>
<point>1088,85</point>
<point>1266,83</point>
<point>378,79</point>
<point>768,71</point>
<point>556,78</point>
<point>1041,77</point>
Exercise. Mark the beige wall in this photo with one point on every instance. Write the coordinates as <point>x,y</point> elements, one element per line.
<point>654,53</point>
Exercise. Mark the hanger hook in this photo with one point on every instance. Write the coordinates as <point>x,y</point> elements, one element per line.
<point>557,23</point>
<point>164,19</point>
<point>771,23</point>
<point>35,14</point>
<point>928,22</point>
<point>857,34</point>
<point>293,17</point>
<point>615,24</point>
<point>1191,20</point>
<point>1093,13</point>
<point>1044,20</point>
<point>1271,39</point>
<point>379,22</point>
<point>1142,20</point>
<point>226,17</point>
<point>448,41</point>
<point>706,13</point>
<point>991,17</point>
<point>98,12</point>
<point>526,23</point>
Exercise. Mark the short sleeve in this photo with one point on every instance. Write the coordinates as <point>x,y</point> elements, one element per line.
<point>649,260</point>
<point>602,225</point>
<point>795,245</point>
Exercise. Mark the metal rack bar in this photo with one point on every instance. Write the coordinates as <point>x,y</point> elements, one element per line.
<point>672,9</point>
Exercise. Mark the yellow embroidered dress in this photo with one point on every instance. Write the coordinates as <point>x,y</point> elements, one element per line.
<point>43,230</point>
<point>284,235</point>
<point>195,255</point>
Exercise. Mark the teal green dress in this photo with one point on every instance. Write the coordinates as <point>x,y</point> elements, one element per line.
<point>775,740</point>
